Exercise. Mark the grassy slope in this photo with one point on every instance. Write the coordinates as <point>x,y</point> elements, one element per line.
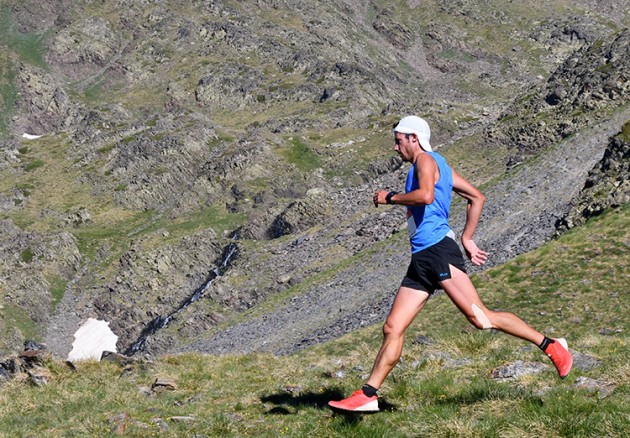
<point>576,286</point>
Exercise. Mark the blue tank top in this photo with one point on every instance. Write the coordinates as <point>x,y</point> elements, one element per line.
<point>428,224</point>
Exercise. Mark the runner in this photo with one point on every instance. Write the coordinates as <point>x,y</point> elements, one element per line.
<point>436,261</point>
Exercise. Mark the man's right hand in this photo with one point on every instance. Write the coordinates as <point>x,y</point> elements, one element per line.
<point>379,197</point>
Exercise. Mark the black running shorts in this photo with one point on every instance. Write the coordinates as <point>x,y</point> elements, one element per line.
<point>431,265</point>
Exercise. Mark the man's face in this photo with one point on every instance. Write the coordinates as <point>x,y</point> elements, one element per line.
<point>405,145</point>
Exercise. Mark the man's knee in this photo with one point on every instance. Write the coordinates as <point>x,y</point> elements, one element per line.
<point>390,328</point>
<point>481,318</point>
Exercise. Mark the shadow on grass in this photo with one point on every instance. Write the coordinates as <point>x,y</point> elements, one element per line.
<point>287,402</point>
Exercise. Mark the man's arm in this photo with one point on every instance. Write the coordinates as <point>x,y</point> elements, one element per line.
<point>473,212</point>
<point>426,171</point>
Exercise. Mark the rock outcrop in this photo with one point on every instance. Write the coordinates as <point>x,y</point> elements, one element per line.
<point>591,82</point>
<point>607,185</point>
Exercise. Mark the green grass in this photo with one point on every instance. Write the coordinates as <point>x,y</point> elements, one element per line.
<point>28,46</point>
<point>12,316</point>
<point>27,255</point>
<point>57,289</point>
<point>265,395</point>
<point>94,92</point>
<point>8,93</point>
<point>301,155</point>
<point>33,165</point>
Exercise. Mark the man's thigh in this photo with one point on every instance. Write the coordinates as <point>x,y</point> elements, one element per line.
<point>462,292</point>
<point>407,304</point>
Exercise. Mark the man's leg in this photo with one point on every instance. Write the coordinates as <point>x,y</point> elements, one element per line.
<point>462,292</point>
<point>407,304</point>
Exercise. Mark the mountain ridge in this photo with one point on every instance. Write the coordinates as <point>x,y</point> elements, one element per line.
<point>166,130</point>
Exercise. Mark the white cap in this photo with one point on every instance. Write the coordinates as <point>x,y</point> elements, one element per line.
<point>418,126</point>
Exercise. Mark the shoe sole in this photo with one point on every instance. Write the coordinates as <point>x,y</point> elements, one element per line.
<point>564,344</point>
<point>368,407</point>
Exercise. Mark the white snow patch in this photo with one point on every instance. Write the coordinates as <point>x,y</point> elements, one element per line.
<point>91,340</point>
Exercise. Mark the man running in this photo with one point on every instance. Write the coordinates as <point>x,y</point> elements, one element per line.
<point>436,261</point>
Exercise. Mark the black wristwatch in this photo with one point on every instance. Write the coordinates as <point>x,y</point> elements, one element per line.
<point>388,197</point>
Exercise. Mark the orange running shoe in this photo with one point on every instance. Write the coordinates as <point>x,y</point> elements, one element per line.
<point>558,352</point>
<point>357,402</point>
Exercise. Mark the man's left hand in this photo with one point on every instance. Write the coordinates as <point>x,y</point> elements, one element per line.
<point>474,254</point>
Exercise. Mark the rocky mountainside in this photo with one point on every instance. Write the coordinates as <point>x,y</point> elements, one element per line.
<point>163,136</point>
